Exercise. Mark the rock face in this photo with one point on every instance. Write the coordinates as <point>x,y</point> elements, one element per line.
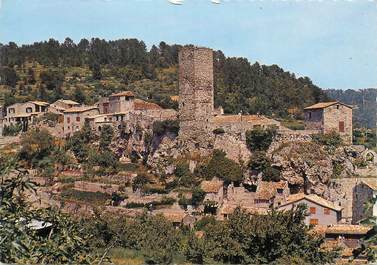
<point>309,167</point>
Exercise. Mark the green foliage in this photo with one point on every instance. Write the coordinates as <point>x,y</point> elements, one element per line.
<point>61,241</point>
<point>331,139</point>
<point>167,126</point>
<point>239,85</point>
<point>12,129</point>
<point>139,181</point>
<point>197,196</point>
<point>106,136</point>
<point>259,139</point>
<point>78,143</point>
<point>104,159</point>
<point>36,145</point>
<point>221,167</point>
<point>95,198</point>
<point>218,131</point>
<point>261,163</point>
<point>259,239</point>
<point>8,76</point>
<point>366,137</point>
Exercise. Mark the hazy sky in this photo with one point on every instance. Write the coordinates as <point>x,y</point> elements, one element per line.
<point>332,42</point>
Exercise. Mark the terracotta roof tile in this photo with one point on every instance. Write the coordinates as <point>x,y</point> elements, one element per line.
<point>371,183</point>
<point>348,229</point>
<point>266,190</point>
<point>80,109</point>
<point>40,103</point>
<point>123,94</point>
<point>211,186</point>
<point>313,198</point>
<point>323,105</point>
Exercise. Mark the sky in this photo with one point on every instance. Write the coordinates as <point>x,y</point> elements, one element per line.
<point>333,42</point>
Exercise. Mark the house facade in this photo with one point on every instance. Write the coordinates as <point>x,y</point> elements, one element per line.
<point>24,114</point>
<point>74,118</point>
<point>321,211</point>
<point>329,117</point>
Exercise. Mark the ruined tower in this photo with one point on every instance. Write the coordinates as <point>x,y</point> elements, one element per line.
<point>196,96</point>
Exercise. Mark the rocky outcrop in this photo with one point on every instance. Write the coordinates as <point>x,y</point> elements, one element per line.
<point>309,167</point>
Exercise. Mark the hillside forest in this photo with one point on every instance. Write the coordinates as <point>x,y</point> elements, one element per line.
<point>90,69</point>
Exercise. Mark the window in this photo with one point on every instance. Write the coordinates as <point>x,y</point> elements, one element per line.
<point>341,126</point>
<point>68,120</point>
<point>78,119</point>
<point>337,106</point>
<point>312,210</point>
<point>280,191</point>
<point>29,110</point>
<point>326,211</point>
<point>313,221</point>
<point>310,115</point>
<point>11,110</point>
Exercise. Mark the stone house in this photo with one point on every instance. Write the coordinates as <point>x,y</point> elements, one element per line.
<point>61,105</point>
<point>365,194</point>
<point>269,193</point>
<point>74,118</point>
<point>214,190</point>
<point>117,102</point>
<point>24,114</point>
<point>329,117</point>
<point>320,210</point>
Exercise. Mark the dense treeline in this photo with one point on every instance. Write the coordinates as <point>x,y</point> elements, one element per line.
<point>239,85</point>
<point>365,99</point>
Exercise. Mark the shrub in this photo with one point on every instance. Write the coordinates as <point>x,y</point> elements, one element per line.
<point>222,167</point>
<point>218,131</point>
<point>260,139</point>
<point>261,163</point>
<point>12,130</point>
<point>139,181</point>
<point>86,196</point>
<point>106,136</point>
<point>197,196</point>
<point>331,139</point>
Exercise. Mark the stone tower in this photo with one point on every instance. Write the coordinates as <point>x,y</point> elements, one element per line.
<point>196,96</point>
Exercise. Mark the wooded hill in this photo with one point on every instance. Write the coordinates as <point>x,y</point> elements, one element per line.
<point>93,68</point>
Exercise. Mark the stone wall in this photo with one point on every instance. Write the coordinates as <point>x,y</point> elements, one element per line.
<point>349,194</point>
<point>336,114</point>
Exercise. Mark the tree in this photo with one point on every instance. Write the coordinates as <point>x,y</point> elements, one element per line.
<point>78,95</point>
<point>21,242</point>
<point>221,167</point>
<point>36,145</point>
<point>96,71</point>
<point>8,76</point>
<point>261,163</point>
<point>106,136</point>
<point>259,239</point>
<point>259,139</point>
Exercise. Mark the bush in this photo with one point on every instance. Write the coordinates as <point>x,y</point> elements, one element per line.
<point>36,145</point>
<point>106,136</point>
<point>12,130</point>
<point>139,181</point>
<point>197,196</point>
<point>222,167</point>
<point>86,196</point>
<point>260,139</point>
<point>261,163</point>
<point>331,139</point>
<point>218,131</point>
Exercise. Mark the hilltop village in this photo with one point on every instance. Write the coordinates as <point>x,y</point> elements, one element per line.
<point>198,162</point>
